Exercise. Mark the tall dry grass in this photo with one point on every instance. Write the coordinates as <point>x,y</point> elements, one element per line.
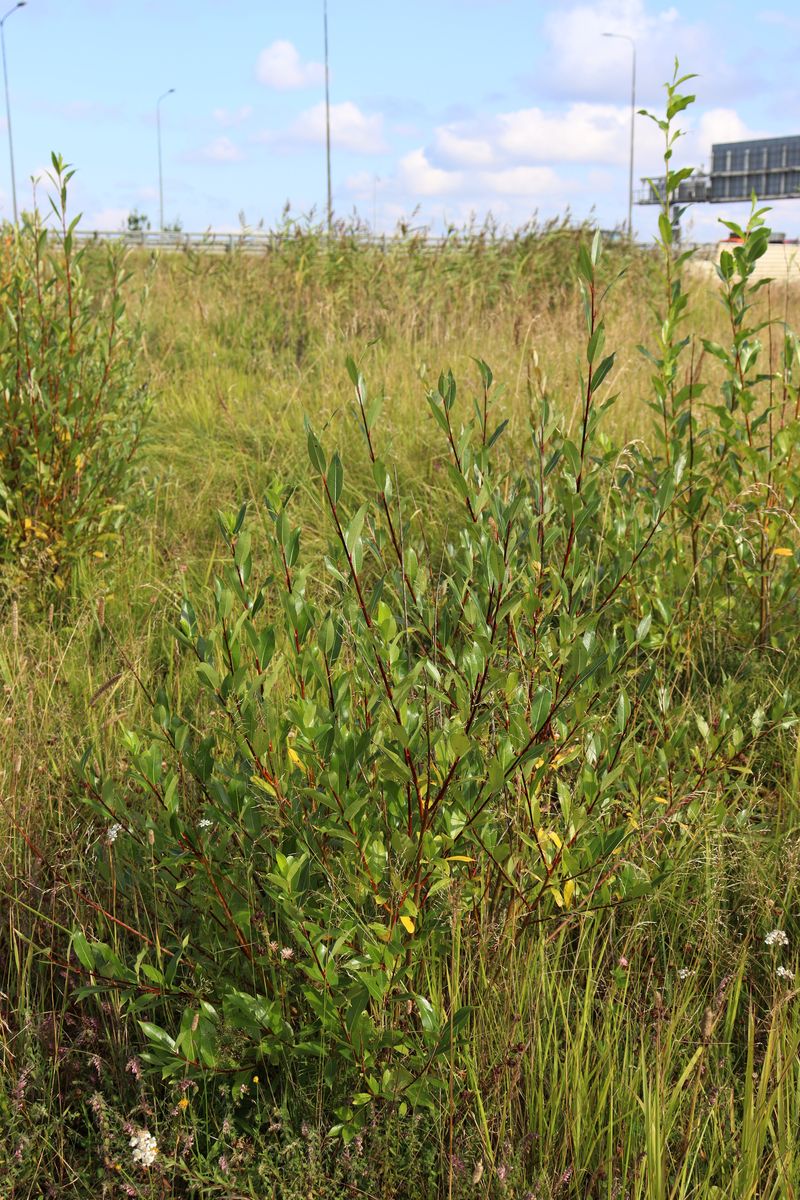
<point>640,1031</point>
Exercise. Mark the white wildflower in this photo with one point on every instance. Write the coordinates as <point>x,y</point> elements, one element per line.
<point>112,833</point>
<point>776,937</point>
<point>685,972</point>
<point>287,953</point>
<point>205,823</point>
<point>144,1147</point>
<point>784,973</point>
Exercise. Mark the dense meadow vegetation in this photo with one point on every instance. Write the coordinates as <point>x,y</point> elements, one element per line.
<point>400,780</point>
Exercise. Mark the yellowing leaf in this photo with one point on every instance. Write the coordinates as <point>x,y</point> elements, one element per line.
<point>569,892</point>
<point>407,924</point>
<point>783,552</point>
<point>262,783</point>
<point>459,858</point>
<point>549,835</point>
<point>295,758</point>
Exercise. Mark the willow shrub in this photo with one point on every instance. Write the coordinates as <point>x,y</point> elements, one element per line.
<point>734,441</point>
<point>71,412</point>
<point>461,732</point>
<point>400,735</point>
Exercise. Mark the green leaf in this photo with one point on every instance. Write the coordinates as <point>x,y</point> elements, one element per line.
<point>315,453</point>
<point>572,455</point>
<point>83,950</point>
<point>623,711</point>
<point>496,775</point>
<point>335,477</point>
<point>602,371</point>
<point>585,266</point>
<point>157,1035</point>
<point>678,104</point>
<point>436,408</point>
<point>540,708</point>
<point>427,1014</point>
<point>596,341</point>
<point>497,433</point>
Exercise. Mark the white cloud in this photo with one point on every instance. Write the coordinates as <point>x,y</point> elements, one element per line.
<point>581,134</point>
<point>584,133</point>
<point>458,149</point>
<point>522,181</point>
<point>351,129</point>
<point>280,66</point>
<point>580,62</point>
<point>723,125</point>
<point>228,118</point>
<point>220,150</point>
<point>419,177</point>
<point>544,158</point>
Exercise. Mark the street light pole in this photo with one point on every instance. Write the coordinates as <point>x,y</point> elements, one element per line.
<point>627,38</point>
<point>328,119</point>
<point>21,4</point>
<point>160,171</point>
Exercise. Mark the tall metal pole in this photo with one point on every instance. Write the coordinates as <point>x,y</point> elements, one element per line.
<point>21,4</point>
<point>633,124</point>
<point>160,171</point>
<point>328,119</point>
<point>627,38</point>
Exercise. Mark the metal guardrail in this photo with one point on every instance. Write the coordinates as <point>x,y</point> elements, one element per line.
<point>256,241</point>
<point>259,240</point>
<point>221,243</point>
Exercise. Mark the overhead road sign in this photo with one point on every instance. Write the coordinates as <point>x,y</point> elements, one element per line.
<point>770,167</point>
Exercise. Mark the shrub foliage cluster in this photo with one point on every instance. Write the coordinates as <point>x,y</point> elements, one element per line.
<point>415,759</point>
<point>72,413</point>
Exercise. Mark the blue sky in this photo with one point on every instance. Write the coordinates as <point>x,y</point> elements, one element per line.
<point>444,107</point>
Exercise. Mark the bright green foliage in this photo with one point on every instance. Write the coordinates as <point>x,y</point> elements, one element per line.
<point>457,821</point>
<point>71,414</point>
<point>736,456</point>
<point>424,734</point>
